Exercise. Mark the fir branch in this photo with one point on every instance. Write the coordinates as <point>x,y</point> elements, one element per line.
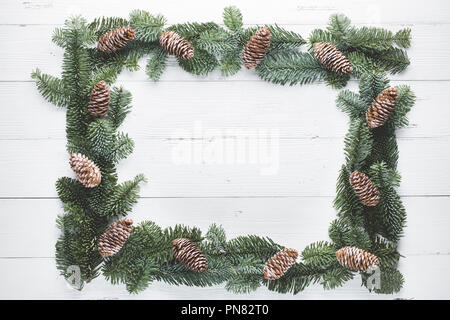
<point>296,279</point>
<point>350,103</point>
<point>104,24</point>
<point>120,106</point>
<point>216,42</point>
<point>75,32</point>
<point>371,85</point>
<point>147,26</point>
<point>386,251</point>
<point>284,39</point>
<point>51,88</point>
<point>385,147</point>
<point>290,67</point>
<point>369,39</point>
<point>390,210</point>
<point>230,63</point>
<point>403,38</point>
<point>335,80</point>
<point>121,147</point>
<point>70,191</point>
<point>403,104</point>
<point>193,31</point>
<point>394,60</point>
<point>156,64</point>
<point>346,201</point>
<point>363,64</point>
<point>76,246</point>
<point>108,73</point>
<point>335,277</point>
<point>246,276</point>
<point>201,64</point>
<point>232,18</point>
<point>319,35</point>
<point>100,135</point>
<point>343,232</point>
<point>124,197</point>
<point>319,254</point>
<point>261,247</point>
<point>338,25</point>
<point>358,144</point>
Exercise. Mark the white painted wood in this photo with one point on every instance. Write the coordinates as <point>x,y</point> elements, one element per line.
<point>254,11</point>
<point>427,278</point>
<point>293,205</point>
<point>168,110</point>
<point>293,222</point>
<point>300,167</point>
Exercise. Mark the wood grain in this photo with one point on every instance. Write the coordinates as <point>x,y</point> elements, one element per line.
<point>293,205</point>
<point>293,222</point>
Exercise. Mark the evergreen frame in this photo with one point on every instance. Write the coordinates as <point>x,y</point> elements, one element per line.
<point>147,255</point>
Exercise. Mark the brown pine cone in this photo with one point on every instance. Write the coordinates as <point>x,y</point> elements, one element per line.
<point>113,239</point>
<point>332,58</point>
<point>280,263</point>
<point>356,259</point>
<point>115,39</point>
<point>87,171</point>
<point>187,252</point>
<point>364,188</point>
<point>100,99</point>
<point>176,45</point>
<point>256,48</point>
<point>381,108</point>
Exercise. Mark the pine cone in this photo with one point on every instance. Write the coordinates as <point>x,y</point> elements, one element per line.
<point>256,48</point>
<point>332,58</point>
<point>176,45</point>
<point>381,108</point>
<point>115,39</point>
<point>280,263</point>
<point>356,259</point>
<point>87,172</point>
<point>113,239</point>
<point>100,99</point>
<point>187,252</point>
<point>365,189</point>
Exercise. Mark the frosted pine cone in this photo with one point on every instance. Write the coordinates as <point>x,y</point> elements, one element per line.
<point>87,172</point>
<point>332,58</point>
<point>280,263</point>
<point>381,108</point>
<point>365,189</point>
<point>356,259</point>
<point>187,252</point>
<point>113,239</point>
<point>256,48</point>
<point>115,39</point>
<point>176,45</point>
<point>100,99</point>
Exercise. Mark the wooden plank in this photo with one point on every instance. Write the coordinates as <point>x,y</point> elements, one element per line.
<point>286,167</point>
<point>30,230</point>
<point>37,278</point>
<point>292,11</point>
<point>31,47</point>
<point>176,110</point>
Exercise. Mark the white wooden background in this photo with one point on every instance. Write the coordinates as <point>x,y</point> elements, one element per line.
<point>294,207</point>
